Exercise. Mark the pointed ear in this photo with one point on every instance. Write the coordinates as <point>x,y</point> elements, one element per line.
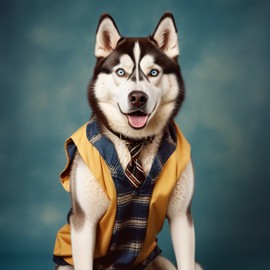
<point>107,36</point>
<point>165,35</point>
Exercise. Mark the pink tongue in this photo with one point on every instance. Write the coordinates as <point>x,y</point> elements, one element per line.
<point>137,121</point>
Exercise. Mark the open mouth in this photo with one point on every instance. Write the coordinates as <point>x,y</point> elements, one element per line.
<point>137,120</point>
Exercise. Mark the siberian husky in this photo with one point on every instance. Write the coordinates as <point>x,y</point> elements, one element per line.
<point>135,93</point>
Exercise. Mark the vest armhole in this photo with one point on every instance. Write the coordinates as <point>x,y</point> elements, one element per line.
<point>65,174</point>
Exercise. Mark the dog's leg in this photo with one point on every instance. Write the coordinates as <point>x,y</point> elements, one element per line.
<point>83,245</point>
<point>89,203</point>
<point>181,225</point>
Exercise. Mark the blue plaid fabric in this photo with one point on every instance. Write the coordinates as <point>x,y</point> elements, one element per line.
<point>132,203</point>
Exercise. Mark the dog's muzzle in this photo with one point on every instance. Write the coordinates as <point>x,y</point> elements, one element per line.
<point>137,116</point>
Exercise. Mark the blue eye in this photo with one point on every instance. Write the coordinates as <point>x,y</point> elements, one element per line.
<point>153,73</point>
<point>120,72</point>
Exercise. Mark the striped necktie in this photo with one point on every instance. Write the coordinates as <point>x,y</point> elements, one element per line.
<point>134,170</point>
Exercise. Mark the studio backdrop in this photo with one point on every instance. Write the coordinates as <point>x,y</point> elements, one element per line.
<point>46,62</point>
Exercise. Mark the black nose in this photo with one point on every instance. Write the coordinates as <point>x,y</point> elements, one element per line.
<point>137,99</point>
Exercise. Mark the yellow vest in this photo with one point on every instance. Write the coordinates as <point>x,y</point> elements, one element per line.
<point>164,185</point>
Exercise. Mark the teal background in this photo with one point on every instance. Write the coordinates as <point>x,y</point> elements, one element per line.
<point>46,62</point>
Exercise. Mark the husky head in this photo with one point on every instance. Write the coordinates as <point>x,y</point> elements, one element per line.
<point>137,87</point>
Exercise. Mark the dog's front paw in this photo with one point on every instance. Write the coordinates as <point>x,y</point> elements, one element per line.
<point>198,267</point>
<point>64,267</point>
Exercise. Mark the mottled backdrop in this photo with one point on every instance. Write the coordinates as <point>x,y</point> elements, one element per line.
<point>46,61</point>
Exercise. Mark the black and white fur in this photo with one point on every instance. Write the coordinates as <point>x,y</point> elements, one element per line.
<point>137,88</point>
